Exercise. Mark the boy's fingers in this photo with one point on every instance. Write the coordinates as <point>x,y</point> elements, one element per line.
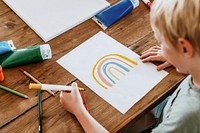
<point>151,58</point>
<point>152,49</point>
<point>74,86</point>
<point>163,66</point>
<point>61,94</point>
<point>148,54</point>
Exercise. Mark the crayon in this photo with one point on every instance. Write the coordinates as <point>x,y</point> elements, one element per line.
<point>13,91</point>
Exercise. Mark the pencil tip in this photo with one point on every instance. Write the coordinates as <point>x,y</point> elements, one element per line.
<point>21,69</point>
<point>50,92</point>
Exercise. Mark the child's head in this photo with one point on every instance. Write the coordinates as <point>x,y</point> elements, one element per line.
<point>174,19</point>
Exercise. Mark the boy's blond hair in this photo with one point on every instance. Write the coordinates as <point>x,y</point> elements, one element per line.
<point>173,19</point>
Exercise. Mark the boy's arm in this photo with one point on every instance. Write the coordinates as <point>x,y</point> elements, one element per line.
<point>89,124</point>
<point>73,103</point>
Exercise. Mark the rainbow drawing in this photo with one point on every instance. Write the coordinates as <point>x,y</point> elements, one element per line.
<point>110,68</point>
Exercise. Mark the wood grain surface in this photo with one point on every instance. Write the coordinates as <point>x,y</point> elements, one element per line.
<point>18,115</point>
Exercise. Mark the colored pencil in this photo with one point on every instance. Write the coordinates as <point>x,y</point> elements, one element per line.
<point>40,111</point>
<point>34,79</point>
<point>13,91</point>
<point>39,99</point>
<point>84,100</point>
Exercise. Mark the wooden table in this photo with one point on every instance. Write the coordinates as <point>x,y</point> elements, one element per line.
<point>18,115</point>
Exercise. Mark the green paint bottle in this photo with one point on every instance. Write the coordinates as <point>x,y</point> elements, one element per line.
<point>26,56</point>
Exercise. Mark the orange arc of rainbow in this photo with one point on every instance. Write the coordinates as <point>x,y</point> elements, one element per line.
<point>93,70</point>
<point>109,70</point>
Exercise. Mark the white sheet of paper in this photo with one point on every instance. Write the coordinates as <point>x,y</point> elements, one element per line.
<point>50,18</point>
<point>112,71</point>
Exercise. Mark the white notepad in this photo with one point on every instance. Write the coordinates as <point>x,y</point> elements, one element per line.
<point>112,71</point>
<point>50,18</point>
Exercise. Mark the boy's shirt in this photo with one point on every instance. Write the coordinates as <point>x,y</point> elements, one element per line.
<point>182,112</point>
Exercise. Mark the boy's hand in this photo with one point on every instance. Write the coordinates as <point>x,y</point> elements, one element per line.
<point>72,101</point>
<point>155,54</point>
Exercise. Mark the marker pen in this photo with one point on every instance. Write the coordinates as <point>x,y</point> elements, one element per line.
<point>147,2</point>
<point>50,87</point>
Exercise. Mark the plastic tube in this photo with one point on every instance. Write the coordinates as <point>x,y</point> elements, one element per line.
<point>26,56</point>
<point>6,46</point>
<point>115,12</point>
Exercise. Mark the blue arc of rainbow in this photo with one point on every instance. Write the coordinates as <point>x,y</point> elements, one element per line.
<point>105,66</point>
<point>117,64</point>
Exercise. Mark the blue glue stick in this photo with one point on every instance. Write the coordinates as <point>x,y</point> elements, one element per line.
<point>6,46</point>
<point>113,13</point>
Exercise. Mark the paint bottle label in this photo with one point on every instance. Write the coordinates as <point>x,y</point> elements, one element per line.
<point>26,56</point>
<point>6,46</point>
<point>45,51</point>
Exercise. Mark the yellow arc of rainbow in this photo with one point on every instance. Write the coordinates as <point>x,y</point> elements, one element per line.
<point>118,55</point>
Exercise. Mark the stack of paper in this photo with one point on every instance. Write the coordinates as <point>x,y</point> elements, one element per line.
<point>50,18</point>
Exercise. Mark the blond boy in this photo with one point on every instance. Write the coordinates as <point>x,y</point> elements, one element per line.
<point>176,25</point>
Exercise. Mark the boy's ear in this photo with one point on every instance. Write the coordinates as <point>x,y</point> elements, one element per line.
<point>186,47</point>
